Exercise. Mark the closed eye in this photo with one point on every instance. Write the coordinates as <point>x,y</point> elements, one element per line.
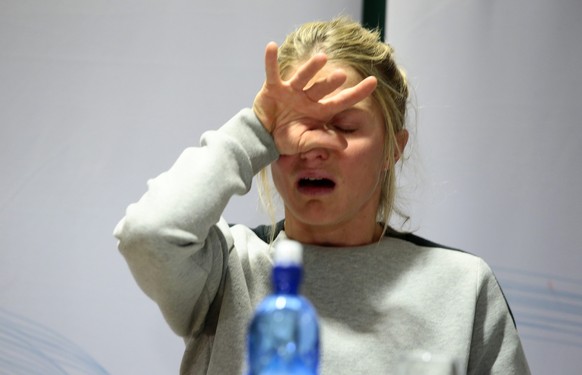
<point>346,129</point>
<point>348,121</point>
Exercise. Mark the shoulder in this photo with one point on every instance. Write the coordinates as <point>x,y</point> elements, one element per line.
<point>414,242</point>
<point>458,265</point>
<point>409,245</point>
<point>426,258</point>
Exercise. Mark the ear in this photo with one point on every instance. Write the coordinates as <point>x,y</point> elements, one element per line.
<point>401,141</point>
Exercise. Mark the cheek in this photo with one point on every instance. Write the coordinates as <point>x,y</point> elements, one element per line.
<point>370,159</point>
<point>370,170</point>
<point>280,169</point>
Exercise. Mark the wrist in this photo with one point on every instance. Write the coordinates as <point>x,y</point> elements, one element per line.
<point>263,119</point>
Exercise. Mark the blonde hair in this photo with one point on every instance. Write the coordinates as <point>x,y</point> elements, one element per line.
<point>349,43</point>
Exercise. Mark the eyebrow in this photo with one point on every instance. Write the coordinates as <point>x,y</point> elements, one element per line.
<point>353,110</point>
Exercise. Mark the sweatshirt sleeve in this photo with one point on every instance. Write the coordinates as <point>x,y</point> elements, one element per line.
<point>173,238</point>
<point>495,347</point>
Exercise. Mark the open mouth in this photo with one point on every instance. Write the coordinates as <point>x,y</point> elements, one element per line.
<point>315,185</point>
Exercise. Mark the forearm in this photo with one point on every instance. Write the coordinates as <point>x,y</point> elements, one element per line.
<point>165,235</point>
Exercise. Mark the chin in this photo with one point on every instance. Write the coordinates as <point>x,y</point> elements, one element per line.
<point>318,219</point>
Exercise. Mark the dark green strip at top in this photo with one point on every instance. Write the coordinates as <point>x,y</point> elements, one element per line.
<point>374,15</point>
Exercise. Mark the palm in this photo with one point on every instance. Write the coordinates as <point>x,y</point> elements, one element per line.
<point>295,113</point>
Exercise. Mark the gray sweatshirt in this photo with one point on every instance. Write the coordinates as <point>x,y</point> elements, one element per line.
<point>375,302</point>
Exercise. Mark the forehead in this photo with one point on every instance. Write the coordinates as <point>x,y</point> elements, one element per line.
<point>352,79</point>
<point>368,105</point>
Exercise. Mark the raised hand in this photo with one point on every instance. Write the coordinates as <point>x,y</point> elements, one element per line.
<point>295,110</point>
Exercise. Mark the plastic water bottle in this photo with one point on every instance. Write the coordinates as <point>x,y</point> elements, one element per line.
<point>283,337</point>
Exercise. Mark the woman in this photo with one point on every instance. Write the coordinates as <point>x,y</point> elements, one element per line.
<point>329,121</point>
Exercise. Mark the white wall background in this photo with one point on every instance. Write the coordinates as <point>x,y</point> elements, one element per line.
<point>499,90</point>
<point>97,96</point>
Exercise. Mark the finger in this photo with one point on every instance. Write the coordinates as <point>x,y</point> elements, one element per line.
<point>350,96</point>
<point>271,65</point>
<point>329,84</point>
<point>307,71</point>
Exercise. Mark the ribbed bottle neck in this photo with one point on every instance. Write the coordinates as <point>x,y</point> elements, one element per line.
<point>287,279</point>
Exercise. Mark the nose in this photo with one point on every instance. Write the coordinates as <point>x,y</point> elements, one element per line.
<point>318,153</point>
<point>318,143</point>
